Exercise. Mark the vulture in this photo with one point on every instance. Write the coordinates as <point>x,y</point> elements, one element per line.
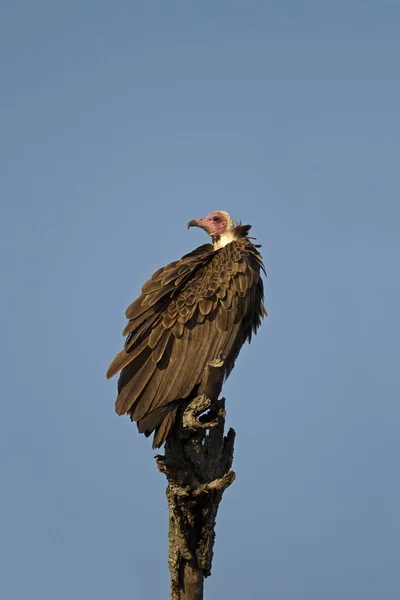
<point>194,310</point>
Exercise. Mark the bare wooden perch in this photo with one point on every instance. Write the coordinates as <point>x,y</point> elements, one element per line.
<point>197,463</point>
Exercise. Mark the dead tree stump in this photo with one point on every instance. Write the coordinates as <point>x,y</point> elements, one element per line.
<point>197,462</point>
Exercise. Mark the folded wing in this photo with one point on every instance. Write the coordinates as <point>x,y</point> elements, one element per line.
<point>188,313</point>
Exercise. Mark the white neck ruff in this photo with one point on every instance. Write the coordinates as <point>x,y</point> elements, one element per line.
<point>224,239</point>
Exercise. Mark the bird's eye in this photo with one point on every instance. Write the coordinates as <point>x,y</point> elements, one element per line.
<point>216,219</point>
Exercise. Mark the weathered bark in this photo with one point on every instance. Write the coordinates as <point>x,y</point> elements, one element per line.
<point>197,463</point>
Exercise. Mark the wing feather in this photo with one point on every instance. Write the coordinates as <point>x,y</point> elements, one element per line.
<point>159,349</point>
<point>188,313</point>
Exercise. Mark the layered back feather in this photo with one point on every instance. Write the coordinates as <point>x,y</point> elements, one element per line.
<point>190,312</point>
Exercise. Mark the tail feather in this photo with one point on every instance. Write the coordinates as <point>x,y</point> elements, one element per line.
<point>160,421</point>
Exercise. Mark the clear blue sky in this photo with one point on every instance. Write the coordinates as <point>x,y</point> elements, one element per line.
<point>120,122</point>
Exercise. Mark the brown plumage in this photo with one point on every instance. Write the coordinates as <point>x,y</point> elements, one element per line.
<point>205,304</point>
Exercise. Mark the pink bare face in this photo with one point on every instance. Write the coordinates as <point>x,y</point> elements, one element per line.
<point>215,223</point>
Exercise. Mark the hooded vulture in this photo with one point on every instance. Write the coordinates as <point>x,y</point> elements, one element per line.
<point>190,312</point>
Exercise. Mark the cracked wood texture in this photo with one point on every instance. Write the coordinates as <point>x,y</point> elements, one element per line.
<point>197,463</point>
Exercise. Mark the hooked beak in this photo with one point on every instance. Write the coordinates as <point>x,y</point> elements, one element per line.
<point>193,223</point>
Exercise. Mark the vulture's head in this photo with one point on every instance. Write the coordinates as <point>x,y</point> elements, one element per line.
<point>219,225</point>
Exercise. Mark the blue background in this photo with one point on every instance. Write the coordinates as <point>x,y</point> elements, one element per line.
<point>120,122</point>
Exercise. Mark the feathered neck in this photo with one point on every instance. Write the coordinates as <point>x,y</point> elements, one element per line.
<point>235,233</point>
<point>219,241</point>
